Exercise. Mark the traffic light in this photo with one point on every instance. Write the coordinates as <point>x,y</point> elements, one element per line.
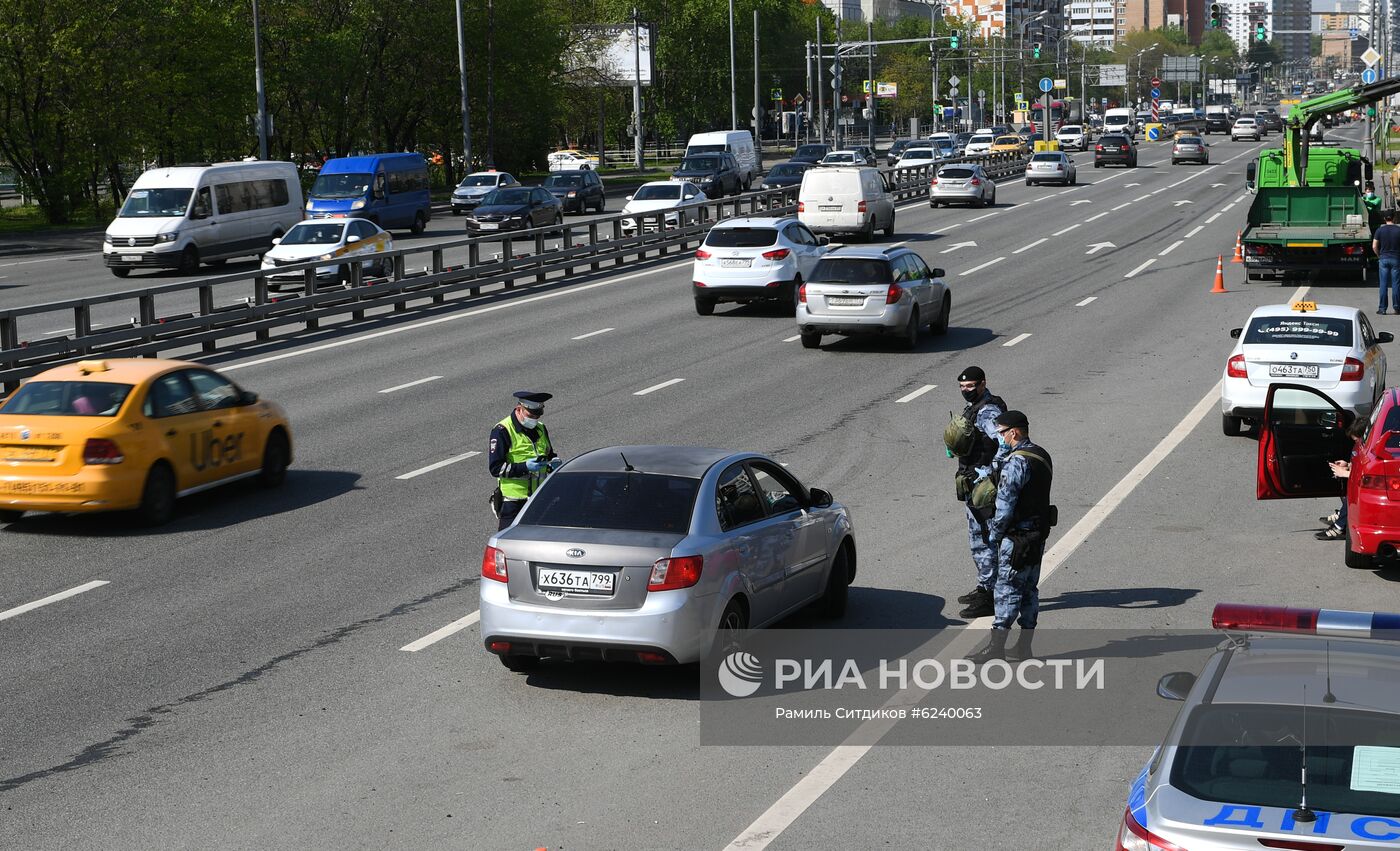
<point>953,41</point>
<point>1215,22</point>
<point>1035,50</point>
<point>1260,34</point>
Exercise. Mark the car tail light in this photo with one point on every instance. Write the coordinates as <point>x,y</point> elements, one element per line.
<point>102,451</point>
<point>1353,369</point>
<point>933,181</point>
<point>669,574</point>
<point>801,207</point>
<point>1098,147</point>
<point>802,294</point>
<point>1353,250</point>
<point>860,208</point>
<point>777,254</point>
<point>893,293</point>
<point>1234,367</point>
<point>1134,837</point>
<point>975,182</point>
<point>1380,483</point>
<point>493,564</point>
<point>702,254</point>
<point>501,647</point>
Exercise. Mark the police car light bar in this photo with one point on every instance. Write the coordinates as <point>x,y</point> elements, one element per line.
<point>1338,622</point>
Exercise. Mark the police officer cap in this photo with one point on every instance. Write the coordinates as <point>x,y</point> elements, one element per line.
<point>972,373</point>
<point>1013,419</point>
<point>531,400</point>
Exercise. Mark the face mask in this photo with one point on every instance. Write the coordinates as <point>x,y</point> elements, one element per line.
<point>529,422</point>
<point>971,395</point>
<point>1005,440</point>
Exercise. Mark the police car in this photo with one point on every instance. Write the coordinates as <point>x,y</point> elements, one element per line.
<point>1329,347</point>
<point>1248,764</point>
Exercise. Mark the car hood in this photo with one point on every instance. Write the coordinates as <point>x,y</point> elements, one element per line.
<point>472,191</point>
<point>299,252</point>
<point>502,210</point>
<point>783,180</point>
<point>143,226</point>
<point>649,206</point>
<point>695,175</point>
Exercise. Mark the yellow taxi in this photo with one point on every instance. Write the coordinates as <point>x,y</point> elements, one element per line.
<point>1008,144</point>
<point>133,433</point>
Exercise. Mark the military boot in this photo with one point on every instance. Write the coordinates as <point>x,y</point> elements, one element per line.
<point>976,595</point>
<point>1021,650</point>
<point>979,608</point>
<point>995,648</point>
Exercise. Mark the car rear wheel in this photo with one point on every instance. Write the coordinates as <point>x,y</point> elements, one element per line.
<point>520,664</point>
<point>910,338</point>
<point>1354,559</point>
<point>789,299</point>
<point>9,515</point>
<point>838,583</point>
<point>1231,426</point>
<point>729,635</point>
<point>889,229</point>
<point>811,340</point>
<point>705,306</point>
<point>157,496</point>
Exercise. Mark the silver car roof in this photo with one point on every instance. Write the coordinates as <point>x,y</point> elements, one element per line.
<point>1274,670</point>
<point>689,461</point>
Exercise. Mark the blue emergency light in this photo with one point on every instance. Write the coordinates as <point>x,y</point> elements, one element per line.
<point>1334,622</point>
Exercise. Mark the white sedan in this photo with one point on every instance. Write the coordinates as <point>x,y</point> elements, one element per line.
<point>571,160</point>
<point>673,199</point>
<point>921,155</point>
<point>758,259</point>
<point>342,241</point>
<point>980,143</point>
<point>1329,347</point>
<point>843,158</point>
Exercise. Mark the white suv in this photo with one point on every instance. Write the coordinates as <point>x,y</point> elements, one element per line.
<point>1245,128</point>
<point>758,259</point>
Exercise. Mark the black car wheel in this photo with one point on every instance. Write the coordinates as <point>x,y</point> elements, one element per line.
<point>520,664</point>
<point>189,261</point>
<point>939,327</point>
<point>838,583</point>
<point>157,496</point>
<point>910,338</point>
<point>1231,426</point>
<point>705,306</point>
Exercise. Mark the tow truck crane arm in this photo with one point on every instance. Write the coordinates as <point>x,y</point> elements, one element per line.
<point>1302,116</point>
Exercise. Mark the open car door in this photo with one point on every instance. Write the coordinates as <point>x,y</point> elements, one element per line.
<point>1301,432</point>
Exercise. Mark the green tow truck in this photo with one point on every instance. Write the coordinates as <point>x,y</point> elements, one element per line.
<point>1307,218</point>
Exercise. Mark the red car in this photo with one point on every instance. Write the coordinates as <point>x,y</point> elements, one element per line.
<point>1303,431</point>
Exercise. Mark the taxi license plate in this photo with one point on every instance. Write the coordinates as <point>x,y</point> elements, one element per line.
<point>845,301</point>
<point>488,226</point>
<point>1292,370</point>
<point>735,263</point>
<point>131,258</point>
<point>830,208</point>
<point>27,453</point>
<point>576,581</point>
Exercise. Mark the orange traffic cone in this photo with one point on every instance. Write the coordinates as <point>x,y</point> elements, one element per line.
<point>1219,275</point>
<point>1239,249</point>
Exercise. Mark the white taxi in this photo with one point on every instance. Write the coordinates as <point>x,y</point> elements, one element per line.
<point>1328,347</point>
<point>341,241</point>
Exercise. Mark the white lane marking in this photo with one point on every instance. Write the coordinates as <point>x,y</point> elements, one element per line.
<point>1212,218</point>
<point>1143,197</point>
<point>411,384</point>
<point>1087,301</point>
<point>52,598</point>
<point>983,266</point>
<point>793,337</point>
<point>1032,245</point>
<point>1014,340</point>
<point>1140,268</point>
<point>980,218</point>
<point>1066,230</point>
<point>909,397</point>
<point>1169,249</point>
<point>428,323</point>
<point>1099,216</point>
<point>1239,198</point>
<point>1155,191</point>
<point>842,758</point>
<point>438,466</point>
<point>655,387</point>
<point>439,634</point>
<point>1195,230</point>
<point>1121,206</point>
<point>1226,208</point>
<point>593,333</point>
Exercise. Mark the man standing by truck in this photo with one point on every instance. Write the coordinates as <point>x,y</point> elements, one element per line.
<point>1386,245</point>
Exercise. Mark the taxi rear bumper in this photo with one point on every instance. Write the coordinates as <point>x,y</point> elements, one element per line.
<point>115,487</point>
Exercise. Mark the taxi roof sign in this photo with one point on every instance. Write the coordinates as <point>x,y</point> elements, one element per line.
<point>1303,306</point>
<point>88,367</point>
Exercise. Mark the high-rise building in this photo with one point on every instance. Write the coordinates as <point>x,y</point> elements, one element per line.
<point>1291,32</point>
<point>1189,15</point>
<point>1241,17</point>
<point>1092,21</point>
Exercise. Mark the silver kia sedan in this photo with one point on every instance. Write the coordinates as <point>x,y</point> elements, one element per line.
<point>965,183</point>
<point>653,553</point>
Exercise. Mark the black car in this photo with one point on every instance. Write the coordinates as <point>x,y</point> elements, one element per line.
<point>1115,149</point>
<point>897,148</point>
<point>865,151</point>
<point>960,141</point>
<point>516,208</point>
<point>1269,121</point>
<point>715,173</point>
<point>810,153</point>
<point>577,190</point>
<point>1218,122</point>
<point>786,174</point>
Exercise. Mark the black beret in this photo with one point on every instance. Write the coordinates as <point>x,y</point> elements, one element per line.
<point>1013,419</point>
<point>972,373</point>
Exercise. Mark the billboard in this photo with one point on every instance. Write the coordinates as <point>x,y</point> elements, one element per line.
<point>604,55</point>
<point>1113,75</point>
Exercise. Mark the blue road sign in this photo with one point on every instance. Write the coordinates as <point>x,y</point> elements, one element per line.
<point>1153,133</point>
<point>1156,93</point>
<point>1368,76</point>
<point>1354,33</point>
<point>1046,84</point>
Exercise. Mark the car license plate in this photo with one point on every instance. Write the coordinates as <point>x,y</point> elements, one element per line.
<point>131,258</point>
<point>576,581</point>
<point>1292,370</point>
<point>845,301</point>
<point>488,225</point>
<point>829,208</point>
<point>28,453</point>
<point>735,263</point>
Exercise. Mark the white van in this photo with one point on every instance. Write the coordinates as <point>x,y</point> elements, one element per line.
<point>179,217</point>
<point>846,200</point>
<point>1119,121</point>
<point>736,142</point>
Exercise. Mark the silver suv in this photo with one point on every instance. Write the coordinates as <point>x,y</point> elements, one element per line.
<point>890,292</point>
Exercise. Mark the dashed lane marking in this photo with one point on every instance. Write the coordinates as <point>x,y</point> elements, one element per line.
<point>1212,218</point>
<point>1195,230</point>
<point>981,267</point>
<point>52,598</point>
<point>655,387</point>
<point>1140,268</point>
<point>593,333</point>
<point>446,462</point>
<point>1064,231</point>
<point>1032,245</point>
<point>1169,249</point>
<point>1091,298</point>
<point>1014,340</point>
<point>909,397</point>
<point>1121,206</point>
<point>439,634</point>
<point>410,384</point>
<point>792,338</point>
<point>1099,216</point>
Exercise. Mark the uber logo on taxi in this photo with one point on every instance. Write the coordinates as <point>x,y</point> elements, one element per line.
<point>206,450</point>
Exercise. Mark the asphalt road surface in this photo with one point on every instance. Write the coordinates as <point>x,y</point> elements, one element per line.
<point>240,681</point>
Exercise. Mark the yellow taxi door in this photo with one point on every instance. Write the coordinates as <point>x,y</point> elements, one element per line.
<point>177,426</point>
<point>231,442</point>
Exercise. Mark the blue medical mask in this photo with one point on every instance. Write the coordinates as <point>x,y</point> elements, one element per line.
<point>529,422</point>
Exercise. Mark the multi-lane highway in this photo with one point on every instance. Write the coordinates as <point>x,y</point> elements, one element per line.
<point>273,671</point>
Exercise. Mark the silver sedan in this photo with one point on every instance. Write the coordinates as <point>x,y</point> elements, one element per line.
<point>962,183</point>
<point>1054,166</point>
<point>653,553</point>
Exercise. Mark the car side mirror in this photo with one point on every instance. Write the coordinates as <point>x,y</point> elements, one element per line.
<point>1235,333</point>
<point>350,239</point>
<point>937,272</point>
<point>1385,337</point>
<point>823,240</point>
<point>200,211</point>
<point>629,197</point>
<point>1250,170</point>
<point>1176,685</point>
<point>247,397</point>
<point>820,498</point>
<point>277,240</point>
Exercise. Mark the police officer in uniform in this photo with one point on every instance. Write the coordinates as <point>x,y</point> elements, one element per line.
<point>982,410</point>
<point>1017,532</point>
<point>520,455</point>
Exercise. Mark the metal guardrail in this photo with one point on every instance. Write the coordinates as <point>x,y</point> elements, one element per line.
<point>246,305</point>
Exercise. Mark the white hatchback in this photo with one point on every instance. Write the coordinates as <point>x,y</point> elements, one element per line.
<point>758,259</point>
<point>1328,347</point>
<point>342,242</point>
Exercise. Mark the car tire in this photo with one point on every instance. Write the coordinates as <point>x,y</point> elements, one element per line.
<point>1359,561</point>
<point>1231,426</point>
<point>939,326</point>
<point>157,496</point>
<point>275,459</point>
<point>1028,183</point>
<point>519,664</point>
<point>420,224</point>
<point>1098,165</point>
<point>889,229</point>
<point>705,306</point>
<point>932,205</point>
<point>838,584</point>
<point>602,205</point>
<point>909,340</point>
<point>120,272</point>
<point>811,340</point>
<point>789,299</point>
<point>10,515</point>
<point>189,261</point>
<point>733,623</point>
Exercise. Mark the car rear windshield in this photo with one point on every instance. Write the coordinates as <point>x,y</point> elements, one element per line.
<point>1008,140</point>
<point>1188,140</point>
<point>810,151</point>
<point>659,192</point>
<point>1313,330</point>
<point>635,502</point>
<point>918,153</point>
<point>563,180</point>
<point>1046,158</point>
<point>741,237</point>
<point>786,170</point>
<point>1263,768</point>
<point>955,172</point>
<point>852,270</point>
<point>67,399</point>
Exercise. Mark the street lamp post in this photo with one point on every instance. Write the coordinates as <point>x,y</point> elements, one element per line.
<point>258,81</point>
<point>1021,47</point>
<point>466,115</point>
<point>733,93</point>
